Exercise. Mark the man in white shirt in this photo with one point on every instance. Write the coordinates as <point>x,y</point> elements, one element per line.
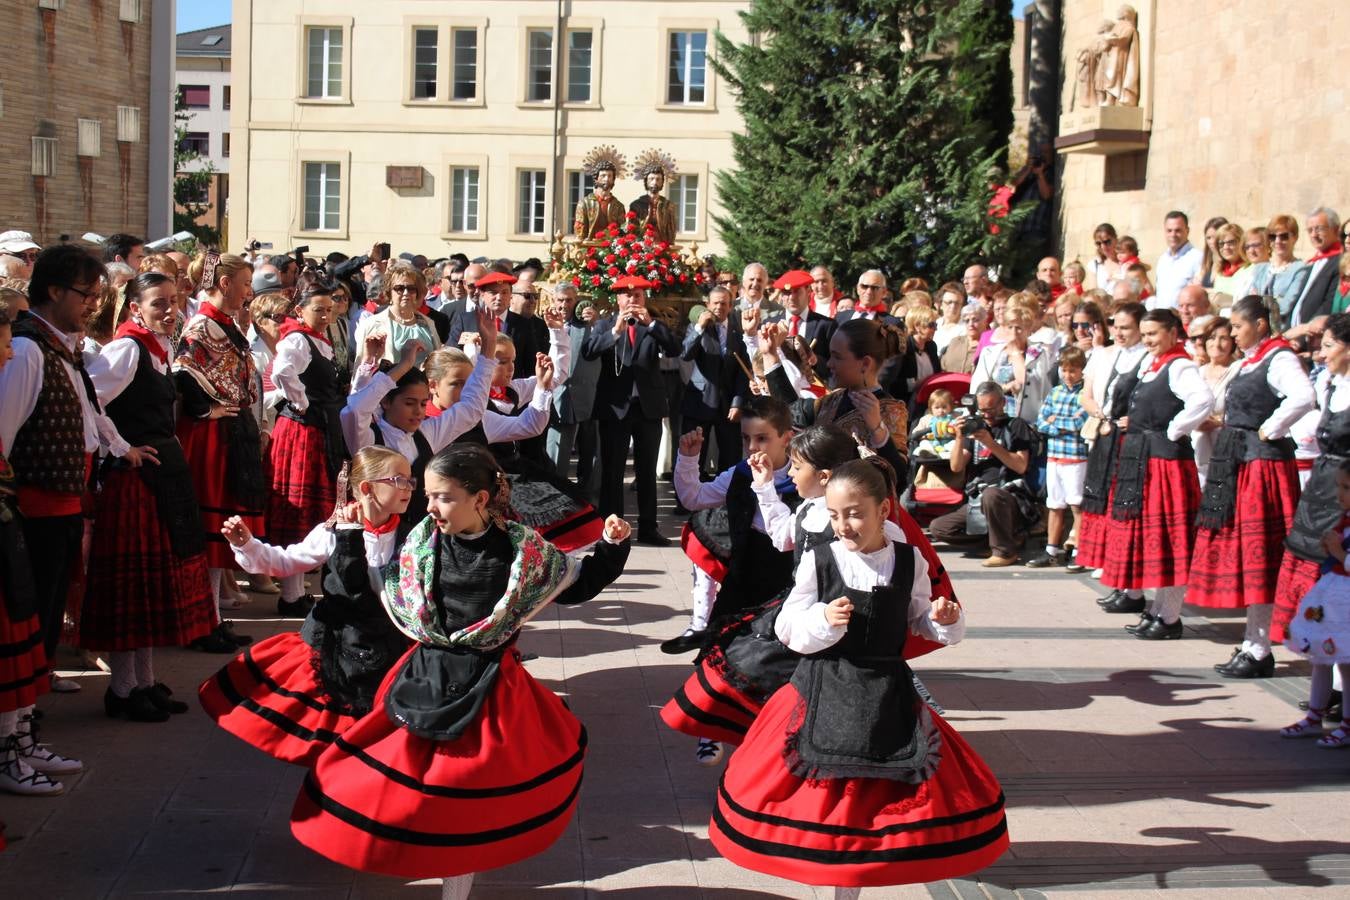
<point>976,282</point>
<point>1179,265</point>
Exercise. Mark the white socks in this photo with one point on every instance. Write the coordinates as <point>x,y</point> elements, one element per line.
<point>131,669</point>
<point>9,723</point>
<point>704,594</point>
<point>292,587</point>
<point>214,576</point>
<point>457,887</point>
<point>1168,603</point>
<point>1256,641</point>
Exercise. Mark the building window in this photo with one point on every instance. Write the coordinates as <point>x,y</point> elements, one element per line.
<point>198,142</point>
<point>684,197</point>
<point>89,137</point>
<point>324,63</point>
<point>44,155</point>
<point>323,196</point>
<point>464,199</point>
<point>225,98</point>
<point>539,66</point>
<point>688,67</point>
<point>225,144</point>
<point>424,63</point>
<point>198,192</point>
<point>531,218</point>
<point>195,96</point>
<point>579,184</point>
<point>129,124</point>
<point>466,64</point>
<point>579,45</point>
<point>130,11</point>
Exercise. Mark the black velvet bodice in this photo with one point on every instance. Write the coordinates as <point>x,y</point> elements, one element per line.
<point>471,576</point>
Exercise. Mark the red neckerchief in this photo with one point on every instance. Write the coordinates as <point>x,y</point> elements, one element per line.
<point>499,393</point>
<point>1325,254</point>
<point>1345,286</point>
<point>425,308</point>
<point>145,337</point>
<point>292,326</point>
<point>1227,269</point>
<point>1178,351</point>
<point>1266,347</point>
<point>878,309</point>
<point>378,530</point>
<point>1057,291</point>
<point>1128,261</point>
<point>209,310</point>
<point>433,410</point>
<point>817,390</point>
<point>371,307</point>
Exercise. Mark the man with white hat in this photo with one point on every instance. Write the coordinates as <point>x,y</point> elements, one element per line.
<point>20,244</point>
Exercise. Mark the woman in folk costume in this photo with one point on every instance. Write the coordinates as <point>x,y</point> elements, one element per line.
<point>390,410</point>
<point>216,379</point>
<point>1252,489</point>
<point>148,584</point>
<point>1149,532</point>
<point>307,449</point>
<point>466,763</point>
<point>847,778</point>
<point>293,695</point>
<point>26,766</point>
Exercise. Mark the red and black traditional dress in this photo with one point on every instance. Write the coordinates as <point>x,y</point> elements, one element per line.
<point>1100,477</point>
<point>1252,487</point>
<point>466,763</point>
<point>147,583</point>
<point>307,448</point>
<point>1318,510</point>
<point>847,778</point>
<point>224,455</point>
<point>553,506</point>
<point>23,660</point>
<point>293,695</point>
<point>1150,530</point>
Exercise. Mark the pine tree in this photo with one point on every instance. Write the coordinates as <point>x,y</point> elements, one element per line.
<point>869,140</point>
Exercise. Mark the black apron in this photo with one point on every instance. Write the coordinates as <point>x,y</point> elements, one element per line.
<point>1105,450</point>
<point>1318,511</point>
<point>324,412</point>
<point>1152,407</point>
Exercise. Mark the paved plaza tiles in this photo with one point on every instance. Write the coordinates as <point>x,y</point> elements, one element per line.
<point>1130,768</point>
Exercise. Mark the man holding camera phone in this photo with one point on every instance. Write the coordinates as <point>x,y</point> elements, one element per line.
<point>995,450</point>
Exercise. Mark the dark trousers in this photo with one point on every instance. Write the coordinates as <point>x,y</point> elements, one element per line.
<point>1007,527</point>
<point>728,441</point>
<point>614,437</point>
<point>54,549</point>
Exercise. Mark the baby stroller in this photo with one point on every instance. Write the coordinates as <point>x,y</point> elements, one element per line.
<point>925,503</point>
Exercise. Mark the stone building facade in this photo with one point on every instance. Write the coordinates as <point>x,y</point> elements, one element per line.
<point>454,127</point>
<point>85,117</point>
<point>1243,115</point>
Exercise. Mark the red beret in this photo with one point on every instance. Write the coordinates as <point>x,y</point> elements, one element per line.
<point>631,282</point>
<point>792,279</point>
<point>492,278</point>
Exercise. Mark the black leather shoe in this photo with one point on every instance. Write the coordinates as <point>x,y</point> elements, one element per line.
<point>1145,620</point>
<point>160,695</point>
<point>690,640</point>
<point>138,707</point>
<point>215,642</point>
<point>1110,598</point>
<point>295,609</point>
<point>1047,560</point>
<point>1075,567</point>
<point>1158,630</point>
<point>226,628</point>
<point>652,539</point>
<point>1244,665</point>
<point>1126,604</point>
<point>1223,667</point>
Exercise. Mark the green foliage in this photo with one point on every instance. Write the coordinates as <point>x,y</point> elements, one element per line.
<point>189,187</point>
<point>869,138</point>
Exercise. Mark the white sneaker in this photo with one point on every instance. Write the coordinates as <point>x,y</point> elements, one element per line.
<point>64,685</point>
<point>17,777</point>
<point>38,755</point>
<point>708,753</point>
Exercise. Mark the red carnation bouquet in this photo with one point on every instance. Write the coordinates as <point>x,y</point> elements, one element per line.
<point>626,251</point>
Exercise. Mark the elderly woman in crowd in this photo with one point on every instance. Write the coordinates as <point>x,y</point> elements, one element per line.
<point>920,357</point>
<point>1281,276</point>
<point>400,323</point>
<point>1024,370</point>
<point>962,350</point>
<point>951,300</point>
<point>1231,270</point>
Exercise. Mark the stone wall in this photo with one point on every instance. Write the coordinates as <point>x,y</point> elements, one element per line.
<point>1247,105</point>
<point>79,62</point>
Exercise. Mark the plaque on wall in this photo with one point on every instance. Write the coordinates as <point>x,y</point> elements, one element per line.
<point>403,176</point>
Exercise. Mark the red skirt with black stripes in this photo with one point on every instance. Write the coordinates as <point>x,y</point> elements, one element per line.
<point>23,660</point>
<point>270,696</point>
<point>382,799</point>
<point>855,832</point>
<point>1297,577</point>
<point>301,490</point>
<point>205,448</point>
<point>1154,550</point>
<point>708,706</point>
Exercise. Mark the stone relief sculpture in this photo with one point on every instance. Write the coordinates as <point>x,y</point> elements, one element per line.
<point>1108,69</point>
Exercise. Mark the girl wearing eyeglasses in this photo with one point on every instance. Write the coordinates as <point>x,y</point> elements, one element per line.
<point>292,695</point>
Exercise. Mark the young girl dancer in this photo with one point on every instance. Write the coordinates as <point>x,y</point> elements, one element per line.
<point>1321,629</point>
<point>292,695</point>
<point>847,778</point>
<point>148,584</point>
<point>466,763</point>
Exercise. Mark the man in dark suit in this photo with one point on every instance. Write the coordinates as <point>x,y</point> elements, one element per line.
<point>494,292</point>
<point>873,292</point>
<point>794,295</point>
<point>460,311</point>
<point>630,401</point>
<point>530,334</point>
<point>717,386</point>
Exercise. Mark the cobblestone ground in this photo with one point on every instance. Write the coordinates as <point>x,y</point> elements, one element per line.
<point>1130,767</point>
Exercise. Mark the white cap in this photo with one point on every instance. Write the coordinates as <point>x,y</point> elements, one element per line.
<point>17,242</point>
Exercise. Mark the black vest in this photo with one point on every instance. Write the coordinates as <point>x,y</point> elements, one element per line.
<point>1152,407</point>
<point>1318,511</point>
<point>326,399</point>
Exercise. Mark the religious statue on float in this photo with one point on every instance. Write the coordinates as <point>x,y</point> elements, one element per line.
<point>655,169</point>
<point>600,209</point>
